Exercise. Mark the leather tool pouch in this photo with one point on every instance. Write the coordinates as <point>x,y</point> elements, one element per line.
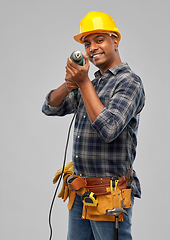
<point>75,183</point>
<point>116,199</point>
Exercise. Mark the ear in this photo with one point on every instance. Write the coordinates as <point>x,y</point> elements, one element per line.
<point>116,43</point>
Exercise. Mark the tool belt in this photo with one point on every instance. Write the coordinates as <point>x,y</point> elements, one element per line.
<point>106,192</point>
<point>97,185</point>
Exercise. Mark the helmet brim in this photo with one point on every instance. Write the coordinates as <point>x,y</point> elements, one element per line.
<point>79,37</point>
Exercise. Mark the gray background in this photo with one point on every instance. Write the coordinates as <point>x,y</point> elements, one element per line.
<point>36,39</point>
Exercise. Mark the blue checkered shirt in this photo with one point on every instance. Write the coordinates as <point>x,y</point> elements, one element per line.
<point>106,147</point>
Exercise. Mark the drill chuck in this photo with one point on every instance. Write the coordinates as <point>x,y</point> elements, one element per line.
<point>77,57</point>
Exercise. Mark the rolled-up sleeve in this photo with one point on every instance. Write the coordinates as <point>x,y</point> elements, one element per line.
<point>126,102</point>
<point>66,107</point>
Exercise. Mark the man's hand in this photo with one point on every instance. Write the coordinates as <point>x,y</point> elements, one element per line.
<point>69,84</point>
<point>79,75</point>
<point>76,73</point>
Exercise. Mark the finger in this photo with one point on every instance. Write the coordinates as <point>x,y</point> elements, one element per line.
<point>72,72</point>
<point>71,84</point>
<point>68,79</point>
<point>86,59</point>
<point>72,64</point>
<point>85,56</point>
<point>69,71</point>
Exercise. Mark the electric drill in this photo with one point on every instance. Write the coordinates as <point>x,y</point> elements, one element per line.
<point>78,58</point>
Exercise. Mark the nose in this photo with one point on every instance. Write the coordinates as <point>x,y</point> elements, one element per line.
<point>93,46</point>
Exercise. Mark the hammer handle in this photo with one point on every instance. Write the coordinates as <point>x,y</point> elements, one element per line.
<point>116,237</point>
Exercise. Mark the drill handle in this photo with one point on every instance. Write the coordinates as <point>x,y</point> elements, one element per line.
<point>75,91</point>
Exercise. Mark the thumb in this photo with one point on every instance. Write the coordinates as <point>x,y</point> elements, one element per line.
<point>86,58</point>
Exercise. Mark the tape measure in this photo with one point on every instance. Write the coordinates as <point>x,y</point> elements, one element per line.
<point>89,199</point>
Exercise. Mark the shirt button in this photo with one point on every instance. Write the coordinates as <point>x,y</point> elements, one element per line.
<point>84,116</point>
<point>76,156</point>
<point>78,137</point>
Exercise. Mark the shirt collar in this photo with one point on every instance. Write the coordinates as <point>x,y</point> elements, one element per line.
<point>113,70</point>
<point>118,68</point>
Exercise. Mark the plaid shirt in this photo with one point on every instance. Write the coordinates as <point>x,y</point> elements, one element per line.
<point>106,147</point>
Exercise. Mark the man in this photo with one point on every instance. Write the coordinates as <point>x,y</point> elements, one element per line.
<point>106,122</point>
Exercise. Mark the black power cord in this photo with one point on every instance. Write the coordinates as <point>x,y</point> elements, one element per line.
<point>64,161</point>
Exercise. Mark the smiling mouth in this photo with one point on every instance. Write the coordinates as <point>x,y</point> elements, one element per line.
<point>95,56</point>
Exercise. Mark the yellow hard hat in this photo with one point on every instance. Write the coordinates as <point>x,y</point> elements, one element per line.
<point>95,22</point>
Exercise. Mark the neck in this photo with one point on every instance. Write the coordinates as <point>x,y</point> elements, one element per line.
<point>116,61</point>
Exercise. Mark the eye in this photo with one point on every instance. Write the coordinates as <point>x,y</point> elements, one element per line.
<point>86,45</point>
<point>99,40</point>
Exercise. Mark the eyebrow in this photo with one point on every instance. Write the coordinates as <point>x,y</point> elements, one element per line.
<point>98,36</point>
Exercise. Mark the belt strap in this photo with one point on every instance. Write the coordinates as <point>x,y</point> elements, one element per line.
<point>98,185</point>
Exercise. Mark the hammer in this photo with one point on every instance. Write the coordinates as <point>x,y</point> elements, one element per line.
<point>116,212</point>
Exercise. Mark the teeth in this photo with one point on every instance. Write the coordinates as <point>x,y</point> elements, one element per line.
<point>96,55</point>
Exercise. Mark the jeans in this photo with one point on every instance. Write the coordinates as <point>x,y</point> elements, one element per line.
<point>80,229</point>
